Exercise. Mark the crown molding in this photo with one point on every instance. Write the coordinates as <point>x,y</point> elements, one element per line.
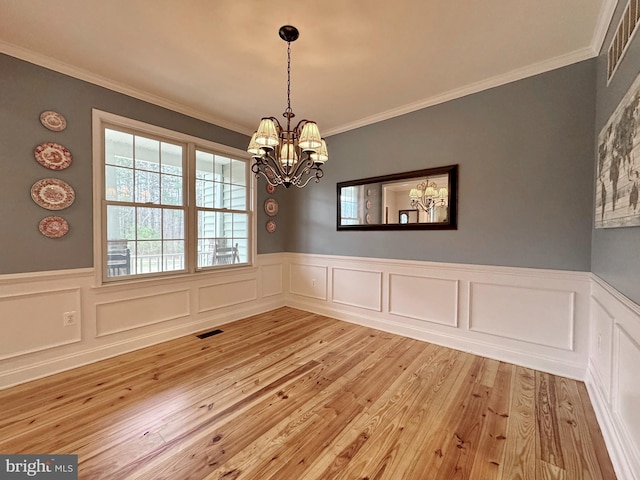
<point>607,11</point>
<point>512,76</point>
<point>81,74</point>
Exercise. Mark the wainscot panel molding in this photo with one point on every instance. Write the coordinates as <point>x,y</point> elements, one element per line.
<point>308,280</point>
<point>529,314</point>
<point>357,288</point>
<point>428,299</point>
<point>612,376</point>
<point>115,319</point>
<point>531,317</point>
<point>126,314</point>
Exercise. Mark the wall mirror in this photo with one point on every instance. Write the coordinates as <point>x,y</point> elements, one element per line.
<point>421,199</point>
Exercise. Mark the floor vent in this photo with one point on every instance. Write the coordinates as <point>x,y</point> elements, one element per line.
<point>209,334</point>
<point>626,28</point>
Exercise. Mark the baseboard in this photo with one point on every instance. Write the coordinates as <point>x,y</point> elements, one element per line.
<point>572,370</point>
<point>615,446</point>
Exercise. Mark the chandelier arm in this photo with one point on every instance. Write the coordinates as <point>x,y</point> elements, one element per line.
<point>301,165</point>
<point>318,175</point>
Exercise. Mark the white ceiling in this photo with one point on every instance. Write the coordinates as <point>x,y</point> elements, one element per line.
<point>356,61</point>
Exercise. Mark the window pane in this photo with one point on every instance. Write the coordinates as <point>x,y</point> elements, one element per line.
<point>147,154</point>
<point>238,172</point>
<point>223,169</point>
<point>240,221</point>
<point>238,197</point>
<point>121,223</point>
<point>149,256</point>
<point>243,250</point>
<point>171,191</point>
<point>147,187</point>
<point>118,148</point>
<point>205,193</point>
<point>149,223</point>
<point>206,224</point>
<point>171,158</point>
<point>173,252</point>
<point>119,184</point>
<point>173,224</point>
<point>204,165</point>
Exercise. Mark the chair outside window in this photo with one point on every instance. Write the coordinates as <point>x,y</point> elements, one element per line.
<point>118,258</point>
<point>225,255</point>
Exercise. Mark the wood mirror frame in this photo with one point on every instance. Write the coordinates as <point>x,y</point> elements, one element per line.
<point>375,203</point>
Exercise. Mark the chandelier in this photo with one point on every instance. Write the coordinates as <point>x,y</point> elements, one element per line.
<point>427,196</point>
<point>288,156</point>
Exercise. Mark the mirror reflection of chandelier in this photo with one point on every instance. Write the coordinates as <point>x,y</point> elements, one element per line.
<point>282,154</point>
<point>427,196</point>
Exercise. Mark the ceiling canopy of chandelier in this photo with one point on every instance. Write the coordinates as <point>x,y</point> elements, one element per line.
<point>288,156</point>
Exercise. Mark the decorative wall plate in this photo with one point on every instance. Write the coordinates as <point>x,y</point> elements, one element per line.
<point>367,218</point>
<point>368,204</point>
<point>52,194</point>
<point>270,188</point>
<point>53,156</point>
<point>53,121</point>
<point>53,227</point>
<point>270,226</point>
<point>271,207</point>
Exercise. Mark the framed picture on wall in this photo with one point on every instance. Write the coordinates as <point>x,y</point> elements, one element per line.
<point>618,165</point>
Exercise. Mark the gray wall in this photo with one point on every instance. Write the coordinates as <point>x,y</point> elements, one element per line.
<point>525,152</point>
<point>25,91</point>
<point>615,255</point>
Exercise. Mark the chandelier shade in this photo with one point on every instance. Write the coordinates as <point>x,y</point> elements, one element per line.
<point>426,196</point>
<point>286,155</point>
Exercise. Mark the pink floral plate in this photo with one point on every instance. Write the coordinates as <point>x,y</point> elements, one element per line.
<point>271,207</point>
<point>270,188</point>
<point>52,194</point>
<point>270,226</point>
<point>53,121</point>
<point>53,156</point>
<point>53,227</point>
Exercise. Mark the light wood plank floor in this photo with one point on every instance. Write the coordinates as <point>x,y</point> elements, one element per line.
<point>289,395</point>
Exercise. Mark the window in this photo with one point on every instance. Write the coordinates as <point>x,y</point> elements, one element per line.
<point>349,206</point>
<point>169,203</point>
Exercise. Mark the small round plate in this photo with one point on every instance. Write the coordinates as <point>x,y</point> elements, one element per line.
<point>53,156</point>
<point>53,121</point>
<point>52,194</point>
<point>271,207</point>
<point>270,188</point>
<point>53,227</point>
<point>270,226</point>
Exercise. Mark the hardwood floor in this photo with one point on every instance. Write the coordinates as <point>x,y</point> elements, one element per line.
<point>289,395</point>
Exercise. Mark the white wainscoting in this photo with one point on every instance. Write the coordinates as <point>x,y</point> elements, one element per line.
<point>567,323</point>
<point>118,318</point>
<point>536,318</point>
<point>612,378</point>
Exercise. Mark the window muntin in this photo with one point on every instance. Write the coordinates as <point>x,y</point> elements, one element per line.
<point>146,218</point>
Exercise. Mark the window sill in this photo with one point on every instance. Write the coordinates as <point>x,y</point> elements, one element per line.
<point>202,275</point>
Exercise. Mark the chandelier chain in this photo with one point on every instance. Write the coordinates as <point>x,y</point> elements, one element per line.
<point>289,111</point>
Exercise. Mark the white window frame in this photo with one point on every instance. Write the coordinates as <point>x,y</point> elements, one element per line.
<point>102,120</point>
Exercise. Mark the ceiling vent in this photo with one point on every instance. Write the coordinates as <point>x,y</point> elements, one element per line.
<point>622,37</point>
